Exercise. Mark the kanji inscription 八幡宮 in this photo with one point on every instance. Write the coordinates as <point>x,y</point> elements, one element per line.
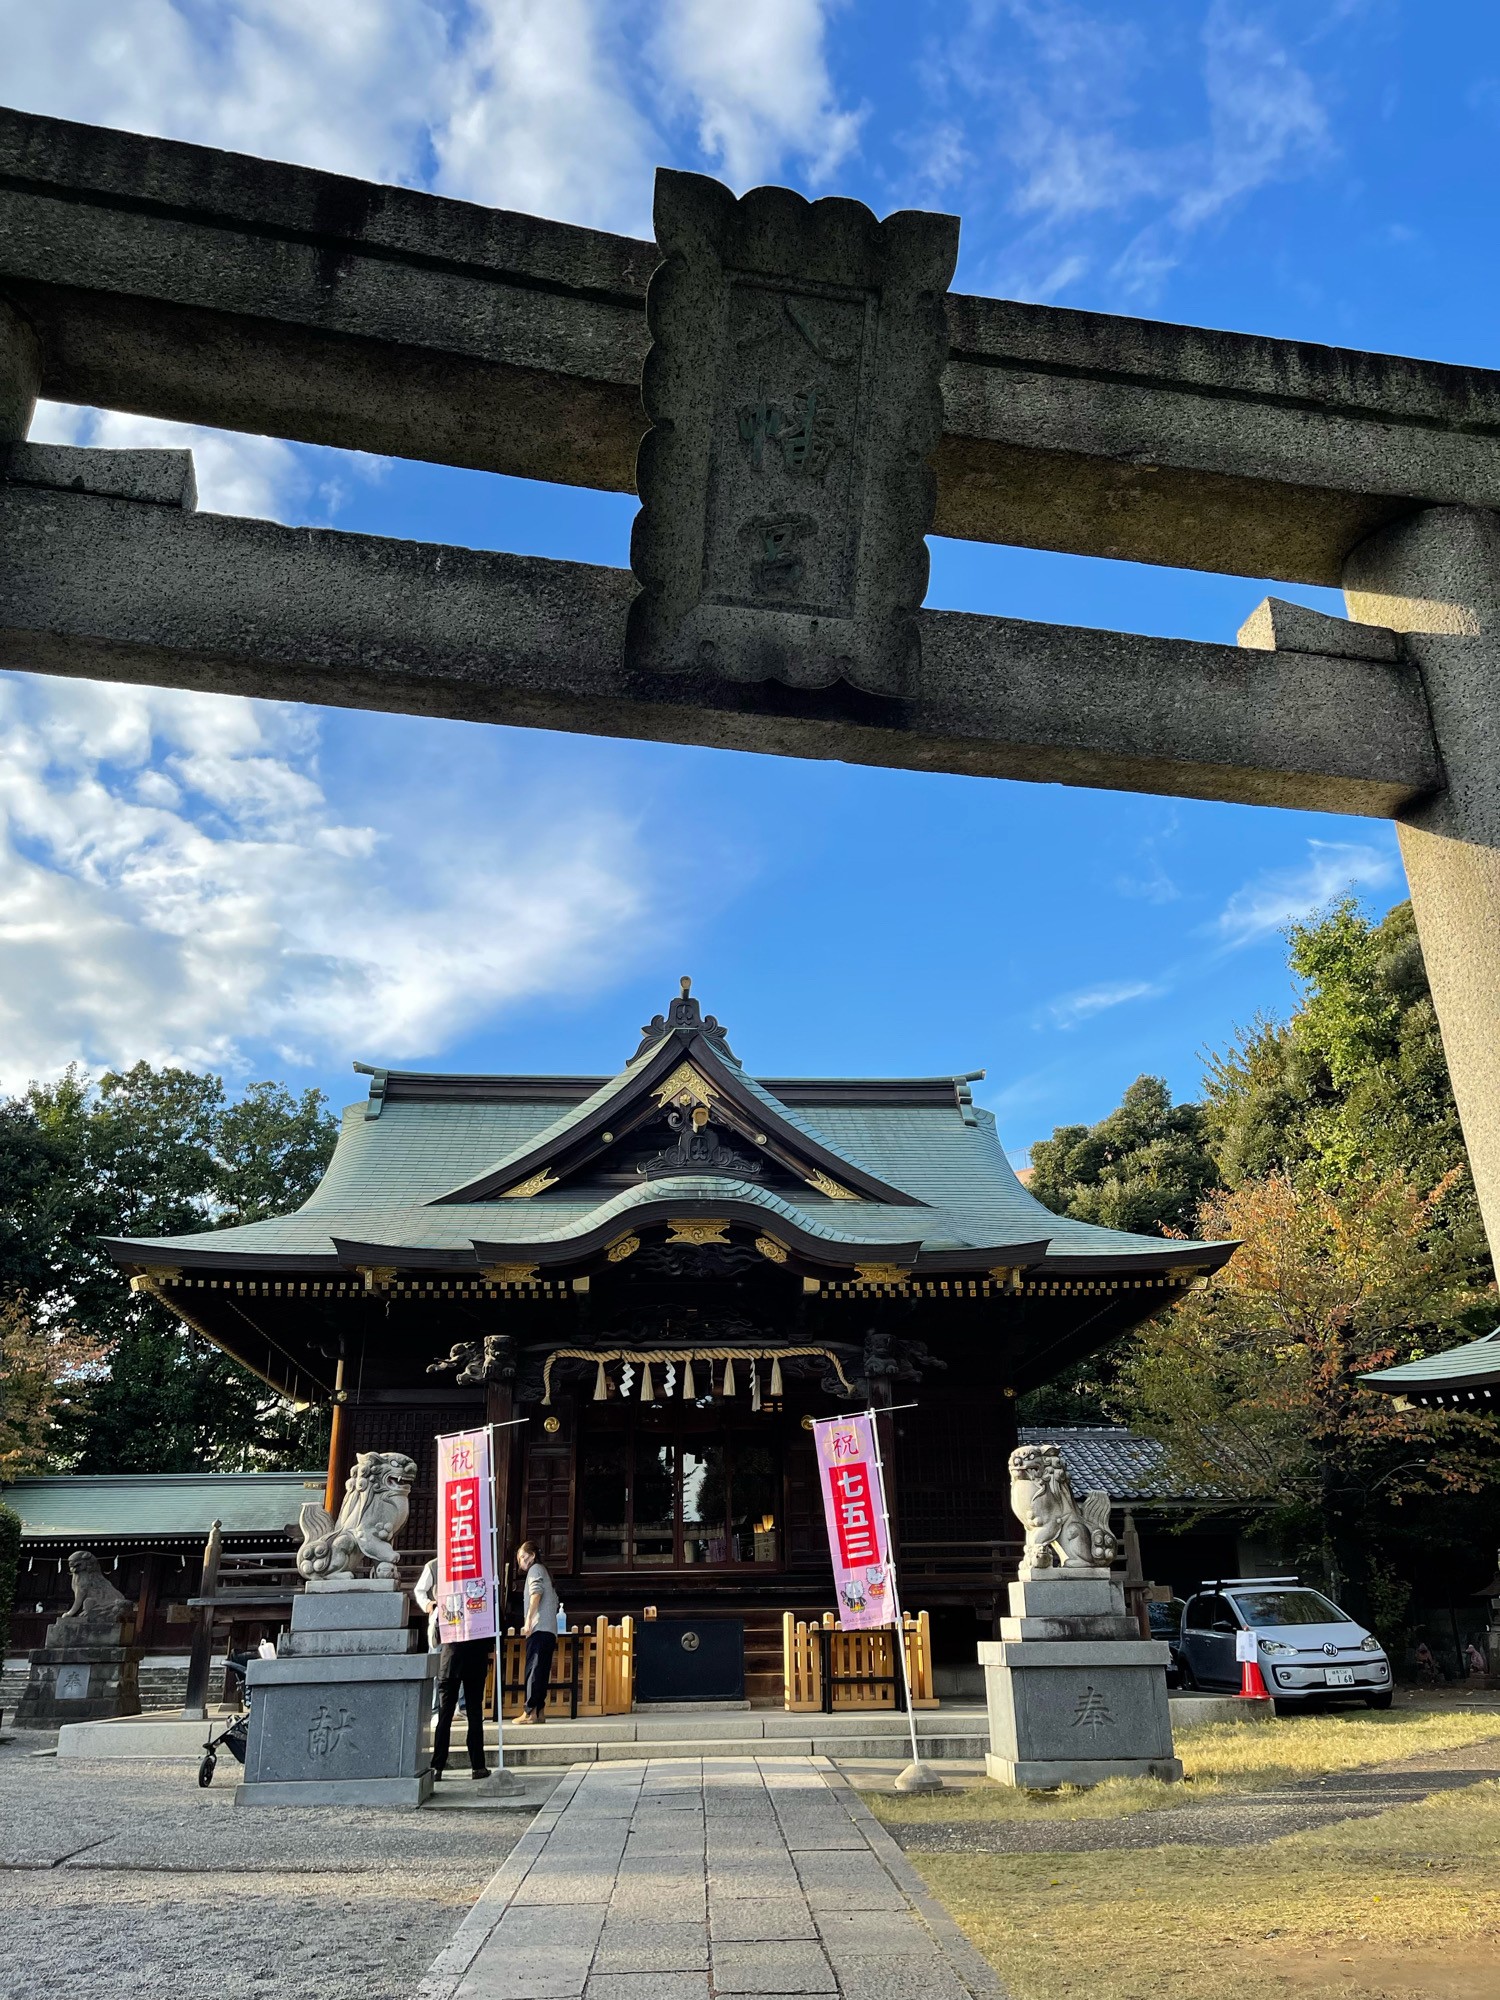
<point>794,388</point>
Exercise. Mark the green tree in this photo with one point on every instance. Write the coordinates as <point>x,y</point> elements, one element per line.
<point>1253,1384</point>
<point>1144,1168</point>
<point>151,1152</point>
<point>1356,1082</point>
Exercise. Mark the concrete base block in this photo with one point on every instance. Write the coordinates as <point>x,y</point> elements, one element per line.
<point>1188,1710</point>
<point>1075,1711</point>
<point>79,1683</point>
<point>341,1728</point>
<point>408,1792</point>
<point>1045,1775</point>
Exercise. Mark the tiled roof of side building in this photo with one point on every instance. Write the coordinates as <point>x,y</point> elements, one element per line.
<point>116,1506</point>
<point>1128,1467</point>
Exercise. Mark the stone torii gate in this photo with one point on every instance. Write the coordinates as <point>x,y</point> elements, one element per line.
<point>804,367</point>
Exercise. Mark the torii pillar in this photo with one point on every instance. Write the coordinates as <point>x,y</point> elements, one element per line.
<point>1435,577</point>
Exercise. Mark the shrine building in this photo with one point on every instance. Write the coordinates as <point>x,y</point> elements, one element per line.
<point>666,1275</point>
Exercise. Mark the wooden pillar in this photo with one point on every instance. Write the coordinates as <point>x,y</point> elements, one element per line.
<point>201,1659</point>
<point>150,1591</point>
<point>885,1425</point>
<point>499,1409</point>
<point>338,1443</point>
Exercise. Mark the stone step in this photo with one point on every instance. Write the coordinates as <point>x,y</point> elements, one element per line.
<point>534,1753</point>
<point>959,1734</point>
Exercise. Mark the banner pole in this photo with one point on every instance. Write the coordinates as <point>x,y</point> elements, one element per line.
<point>915,1778</point>
<point>499,1614</point>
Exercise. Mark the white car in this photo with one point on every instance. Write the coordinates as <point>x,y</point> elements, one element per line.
<point>1309,1649</point>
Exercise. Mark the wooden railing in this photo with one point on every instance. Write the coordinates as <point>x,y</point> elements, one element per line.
<point>593,1671</point>
<point>830,1669</point>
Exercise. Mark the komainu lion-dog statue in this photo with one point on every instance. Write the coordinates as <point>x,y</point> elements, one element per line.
<point>1059,1530</point>
<point>377,1500</point>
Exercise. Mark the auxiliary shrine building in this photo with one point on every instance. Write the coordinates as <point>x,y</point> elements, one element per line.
<point>665,1275</point>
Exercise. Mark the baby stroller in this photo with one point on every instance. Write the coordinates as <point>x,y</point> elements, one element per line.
<point>234,1736</point>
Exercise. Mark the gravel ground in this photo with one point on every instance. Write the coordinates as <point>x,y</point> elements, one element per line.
<point>122,1879</point>
<point>1243,1820</point>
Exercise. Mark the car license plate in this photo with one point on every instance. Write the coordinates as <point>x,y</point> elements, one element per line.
<point>1338,1677</point>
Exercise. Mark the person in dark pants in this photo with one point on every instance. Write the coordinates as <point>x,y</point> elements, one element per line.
<point>463,1663</point>
<point>539,1628</point>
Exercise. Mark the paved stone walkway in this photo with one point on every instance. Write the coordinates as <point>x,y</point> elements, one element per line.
<point>674,1881</point>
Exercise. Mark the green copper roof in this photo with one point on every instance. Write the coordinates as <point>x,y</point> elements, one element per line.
<point>113,1505</point>
<point>930,1174</point>
<point>1475,1365</point>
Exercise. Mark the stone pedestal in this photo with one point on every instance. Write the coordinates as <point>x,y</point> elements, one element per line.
<point>79,1681</point>
<point>1075,1694</point>
<point>343,1715</point>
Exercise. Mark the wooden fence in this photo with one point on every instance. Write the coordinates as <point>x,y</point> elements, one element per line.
<point>830,1669</point>
<point>600,1657</point>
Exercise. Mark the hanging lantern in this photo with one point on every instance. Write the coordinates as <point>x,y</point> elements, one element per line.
<point>648,1394</point>
<point>776,1389</point>
<point>729,1377</point>
<point>601,1385</point>
<point>689,1387</point>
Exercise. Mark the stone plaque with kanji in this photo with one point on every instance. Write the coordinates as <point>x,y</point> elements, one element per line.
<point>794,392</point>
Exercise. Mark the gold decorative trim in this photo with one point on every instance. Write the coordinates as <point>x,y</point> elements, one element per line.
<point>153,1279</point>
<point>626,1247</point>
<point>1006,1274</point>
<point>880,1274</point>
<point>822,1184</point>
<point>510,1274</point>
<point>523,1190</point>
<point>771,1249</point>
<point>698,1231</point>
<point>377,1277</point>
<point>685,1086</point>
<point>810,1286</point>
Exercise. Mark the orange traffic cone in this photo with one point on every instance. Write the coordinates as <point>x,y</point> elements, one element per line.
<point>1252,1682</point>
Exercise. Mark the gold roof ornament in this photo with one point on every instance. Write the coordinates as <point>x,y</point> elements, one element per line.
<point>770,1249</point>
<point>685,1086</point>
<point>523,1190</point>
<point>880,1274</point>
<point>626,1247</point>
<point>698,1231</point>
<point>510,1274</point>
<point>823,1184</point>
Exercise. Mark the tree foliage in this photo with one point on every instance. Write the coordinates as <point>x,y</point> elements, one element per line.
<point>1253,1384</point>
<point>1144,1168</point>
<point>45,1374</point>
<point>149,1152</point>
<point>1329,1145</point>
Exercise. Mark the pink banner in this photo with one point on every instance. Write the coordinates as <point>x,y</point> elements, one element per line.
<point>854,1504</point>
<point>466,1581</point>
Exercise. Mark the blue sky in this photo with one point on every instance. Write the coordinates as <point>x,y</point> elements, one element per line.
<point>273,891</point>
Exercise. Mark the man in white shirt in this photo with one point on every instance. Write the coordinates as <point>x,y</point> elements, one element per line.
<point>539,1629</point>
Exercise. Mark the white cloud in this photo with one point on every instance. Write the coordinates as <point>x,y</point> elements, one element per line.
<point>176,884</point>
<point>236,473</point>
<point>756,80</point>
<point>1265,906</point>
<point>534,113</point>
<point>1071,1008</point>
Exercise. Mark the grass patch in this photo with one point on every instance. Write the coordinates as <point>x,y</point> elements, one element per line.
<point>1403,1904</point>
<point>1218,1758</point>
